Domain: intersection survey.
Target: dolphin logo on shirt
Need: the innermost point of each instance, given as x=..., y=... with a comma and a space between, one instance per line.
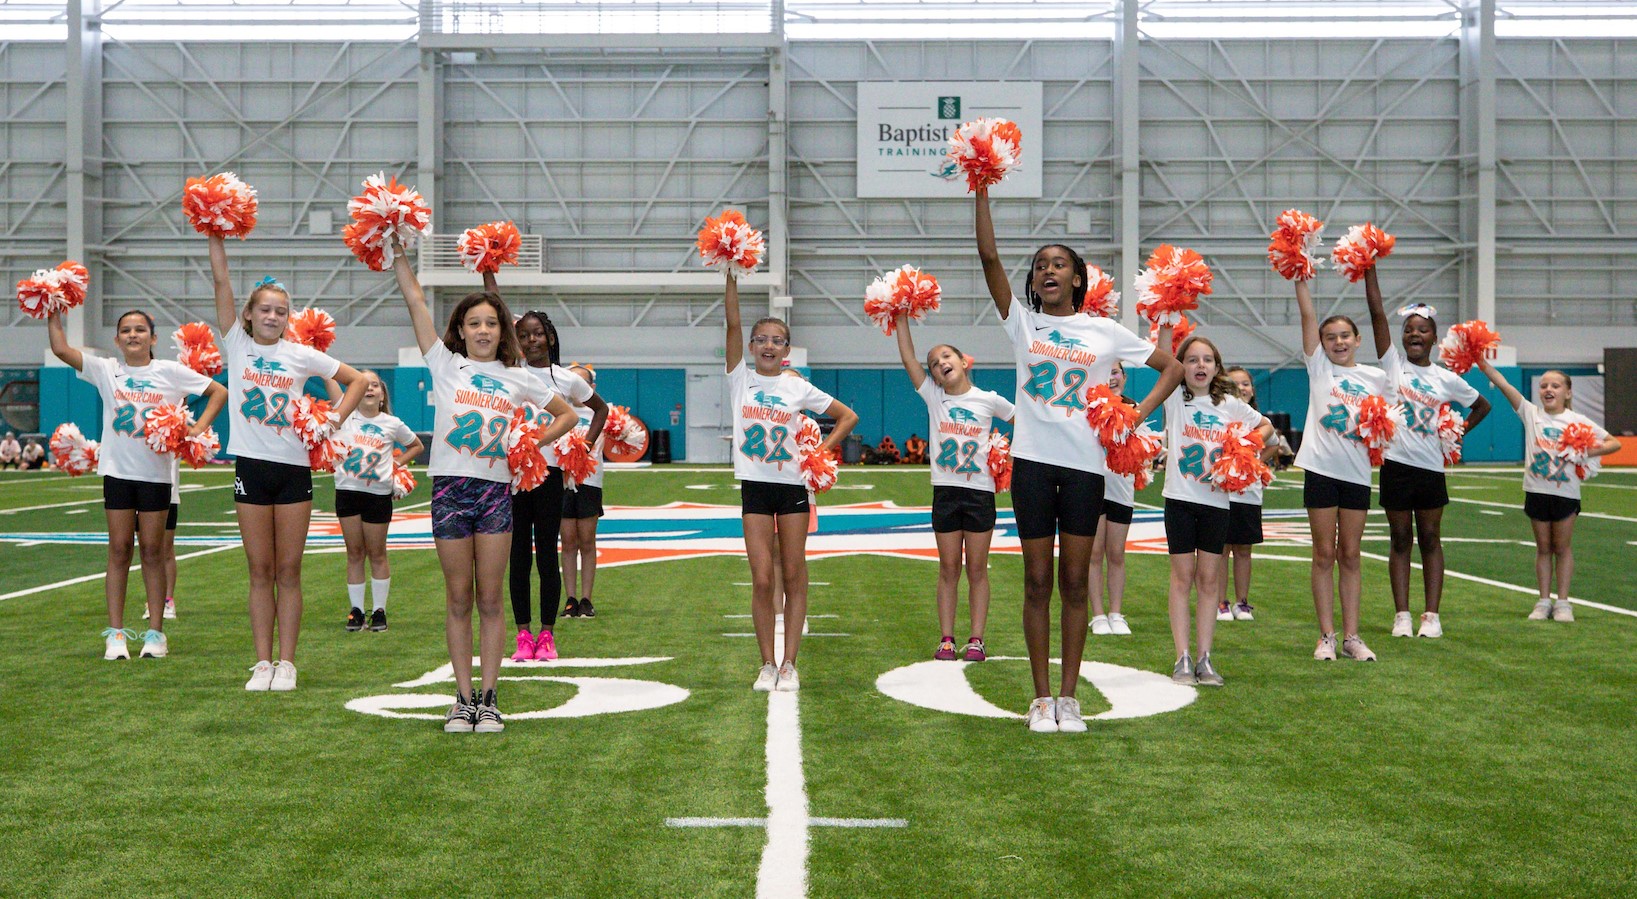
x=134, y=384
x=367, y=428
x=1351, y=389
x=768, y=399
x=1420, y=385
x=486, y=384
x=959, y=413
x=1068, y=342
x=261, y=364
x=1206, y=421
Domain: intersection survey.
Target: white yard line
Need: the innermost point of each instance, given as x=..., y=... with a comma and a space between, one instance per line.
x=99, y=575
x=86, y=502
x=1519, y=507
x=783, y=871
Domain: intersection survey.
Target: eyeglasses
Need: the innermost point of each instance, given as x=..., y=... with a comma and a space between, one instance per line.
x=769, y=340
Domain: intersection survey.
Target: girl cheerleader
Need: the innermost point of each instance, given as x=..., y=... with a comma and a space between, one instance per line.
x=272, y=476
x=774, y=502
x=1551, y=480
x=963, y=489
x=1058, y=463
x=1413, y=490
x=1197, y=416
x=537, y=514
x=370, y=442
x=1119, y=503
x=1244, y=520
x=1336, y=469
x=136, y=481
x=582, y=507
x=478, y=380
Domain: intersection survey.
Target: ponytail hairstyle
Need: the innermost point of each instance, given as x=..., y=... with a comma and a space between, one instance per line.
x=145, y=317
x=268, y=283
x=1079, y=272
x=1229, y=372
x=509, y=353
x=1568, y=401
x=967, y=360
x=554, y=348
x=1221, y=385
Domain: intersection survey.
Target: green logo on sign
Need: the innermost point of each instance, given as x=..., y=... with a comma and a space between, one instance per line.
x=949, y=107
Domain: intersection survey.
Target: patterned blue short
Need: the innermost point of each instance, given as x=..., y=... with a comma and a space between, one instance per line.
x=462, y=507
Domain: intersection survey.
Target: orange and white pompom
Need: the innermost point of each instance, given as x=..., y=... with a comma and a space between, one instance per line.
x=1359, y=251
x=200, y=449
x=51, y=290
x=523, y=454
x=575, y=458
x=71, y=453
x=386, y=209
x=1239, y=466
x=1102, y=300
x=1000, y=461
x=1180, y=332
x=196, y=348
x=311, y=327
x=808, y=435
x=165, y=426
x=220, y=205
x=1576, y=445
x=818, y=465
x=623, y=432
x=729, y=243
x=1466, y=345
x=403, y=481
x=311, y=420
x=1295, y=244
x=1135, y=455
x=905, y=290
x=1171, y=284
x=987, y=150
x=1110, y=417
x=1377, y=423
x=1451, y=429
x=487, y=247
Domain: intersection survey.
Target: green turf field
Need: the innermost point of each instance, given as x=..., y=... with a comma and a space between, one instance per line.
x=1500, y=760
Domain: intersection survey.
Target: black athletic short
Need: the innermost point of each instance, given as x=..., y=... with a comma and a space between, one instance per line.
x=1194, y=526
x=1244, y=524
x=1406, y=488
x=1117, y=513
x=374, y=508
x=1324, y=492
x=143, y=496
x=584, y=501
x=1048, y=500
x=258, y=482
x=170, y=519
x=1546, y=507
x=962, y=509
x=763, y=498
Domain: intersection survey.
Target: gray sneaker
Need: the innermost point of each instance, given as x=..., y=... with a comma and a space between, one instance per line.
x=1069, y=720
x=1541, y=611
x=1183, y=672
x=1562, y=611
x=1204, y=673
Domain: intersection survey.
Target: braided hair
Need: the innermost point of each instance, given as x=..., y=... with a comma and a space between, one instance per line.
x=1079, y=272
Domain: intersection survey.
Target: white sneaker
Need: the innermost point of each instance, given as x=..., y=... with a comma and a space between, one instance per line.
x=1223, y=612
x=261, y=676
x=1042, y=717
x=1430, y=626
x=1244, y=612
x=1403, y=625
x=284, y=677
x=1100, y=626
x=1541, y=611
x=788, y=682
x=113, y=643
x=765, y=679
x=170, y=609
x=1068, y=716
x=154, y=645
x=1117, y=625
x=1562, y=611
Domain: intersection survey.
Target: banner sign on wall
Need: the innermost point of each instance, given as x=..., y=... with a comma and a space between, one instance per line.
x=904, y=129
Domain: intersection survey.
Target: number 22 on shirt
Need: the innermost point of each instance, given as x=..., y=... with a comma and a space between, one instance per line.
x=766, y=444
x=485, y=439
x=1043, y=386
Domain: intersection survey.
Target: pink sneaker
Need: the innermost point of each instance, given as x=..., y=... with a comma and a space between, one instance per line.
x=545, y=647
x=525, y=646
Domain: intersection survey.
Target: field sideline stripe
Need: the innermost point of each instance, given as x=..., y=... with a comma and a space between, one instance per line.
x=91, y=577
x=1519, y=507
x=86, y=502
x=783, y=871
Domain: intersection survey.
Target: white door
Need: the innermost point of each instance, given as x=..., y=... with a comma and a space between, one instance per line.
x=708, y=418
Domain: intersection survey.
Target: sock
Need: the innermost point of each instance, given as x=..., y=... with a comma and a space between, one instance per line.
x=355, y=592
x=378, y=587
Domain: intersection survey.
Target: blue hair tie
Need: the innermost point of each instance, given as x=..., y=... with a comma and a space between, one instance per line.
x=270, y=281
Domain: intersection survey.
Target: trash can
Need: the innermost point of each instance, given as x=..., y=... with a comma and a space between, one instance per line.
x=661, y=450
x=852, y=449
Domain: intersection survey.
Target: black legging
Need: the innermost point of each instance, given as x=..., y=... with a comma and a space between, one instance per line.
x=537, y=516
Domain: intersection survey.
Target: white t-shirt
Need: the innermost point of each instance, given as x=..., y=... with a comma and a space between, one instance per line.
x=1120, y=488
x=176, y=481
x=1423, y=390
x=128, y=392
x=766, y=418
x=570, y=386
x=366, y=459
x=1546, y=469
x=1330, y=445
x=472, y=413
x=959, y=427
x=1058, y=359
x=1193, y=440
x=261, y=383
x=584, y=428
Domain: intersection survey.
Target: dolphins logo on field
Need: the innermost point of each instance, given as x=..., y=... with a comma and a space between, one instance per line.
x=961, y=414
x=267, y=365
x=1067, y=342
x=486, y=384
x=767, y=399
